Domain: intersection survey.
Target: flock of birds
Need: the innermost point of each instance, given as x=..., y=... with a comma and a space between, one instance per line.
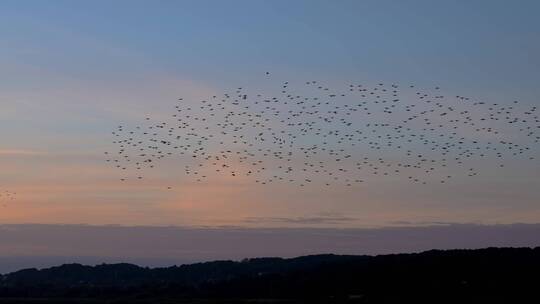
x=309, y=133
x=7, y=197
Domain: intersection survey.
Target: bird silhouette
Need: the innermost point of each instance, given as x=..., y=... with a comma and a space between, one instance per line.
x=7, y=197
x=310, y=133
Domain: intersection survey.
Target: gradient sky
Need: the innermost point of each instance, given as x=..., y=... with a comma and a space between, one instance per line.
x=24, y=246
x=71, y=71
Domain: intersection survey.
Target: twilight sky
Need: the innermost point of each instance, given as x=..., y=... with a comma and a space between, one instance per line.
x=71, y=71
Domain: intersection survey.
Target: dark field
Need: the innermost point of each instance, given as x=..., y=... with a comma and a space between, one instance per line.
x=174, y=301
x=164, y=301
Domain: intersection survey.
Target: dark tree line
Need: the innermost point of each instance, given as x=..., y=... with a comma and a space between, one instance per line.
x=493, y=275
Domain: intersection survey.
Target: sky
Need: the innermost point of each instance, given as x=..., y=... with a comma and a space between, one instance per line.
x=40, y=246
x=71, y=71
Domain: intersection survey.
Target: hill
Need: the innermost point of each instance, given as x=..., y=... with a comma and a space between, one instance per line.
x=494, y=275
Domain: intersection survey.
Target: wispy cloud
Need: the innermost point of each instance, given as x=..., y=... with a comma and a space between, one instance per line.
x=17, y=152
x=302, y=220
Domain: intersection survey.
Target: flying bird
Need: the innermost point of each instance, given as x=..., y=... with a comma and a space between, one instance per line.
x=309, y=133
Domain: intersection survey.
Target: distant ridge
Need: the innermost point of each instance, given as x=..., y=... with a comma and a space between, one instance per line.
x=493, y=274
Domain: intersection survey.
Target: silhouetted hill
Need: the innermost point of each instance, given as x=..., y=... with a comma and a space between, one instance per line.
x=495, y=275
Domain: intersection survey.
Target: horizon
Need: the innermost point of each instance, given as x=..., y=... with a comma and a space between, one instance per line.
x=156, y=267
x=40, y=246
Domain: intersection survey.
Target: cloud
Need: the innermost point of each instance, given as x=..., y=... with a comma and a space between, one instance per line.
x=19, y=152
x=305, y=220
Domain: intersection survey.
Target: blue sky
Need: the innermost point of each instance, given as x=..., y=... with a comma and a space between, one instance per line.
x=71, y=70
x=488, y=43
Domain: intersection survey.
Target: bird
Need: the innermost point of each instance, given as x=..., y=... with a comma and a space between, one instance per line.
x=308, y=133
x=7, y=196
